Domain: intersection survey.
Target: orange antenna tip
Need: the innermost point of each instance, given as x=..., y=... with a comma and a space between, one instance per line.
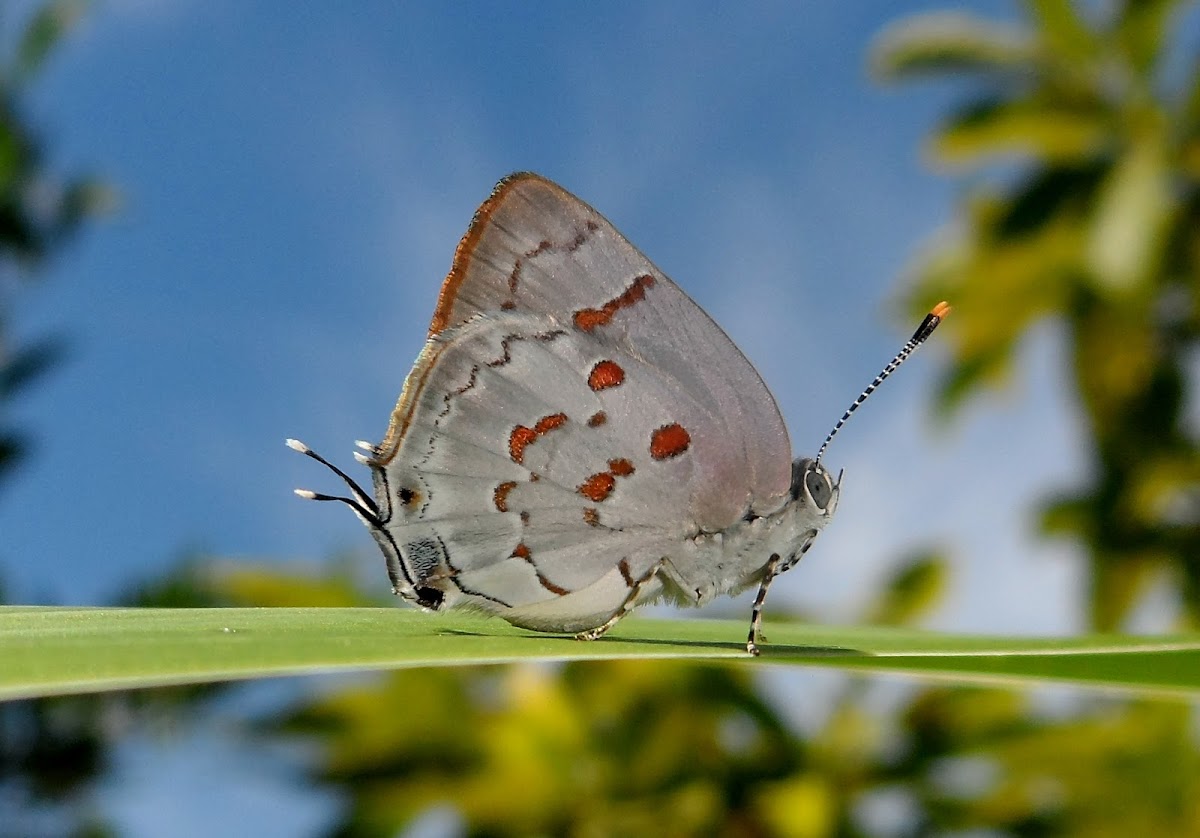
x=941, y=309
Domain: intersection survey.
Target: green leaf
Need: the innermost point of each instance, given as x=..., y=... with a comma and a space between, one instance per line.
x=1049, y=194
x=1141, y=28
x=12, y=448
x=1130, y=218
x=992, y=127
x=913, y=589
x=26, y=364
x=46, y=29
x=944, y=43
x=48, y=651
x=1066, y=35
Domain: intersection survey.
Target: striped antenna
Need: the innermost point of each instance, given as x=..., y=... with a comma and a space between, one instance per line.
x=923, y=331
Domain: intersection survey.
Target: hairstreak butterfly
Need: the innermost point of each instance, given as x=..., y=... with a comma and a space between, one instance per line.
x=578, y=437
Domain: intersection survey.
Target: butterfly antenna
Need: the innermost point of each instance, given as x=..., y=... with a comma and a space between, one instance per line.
x=360, y=503
x=923, y=331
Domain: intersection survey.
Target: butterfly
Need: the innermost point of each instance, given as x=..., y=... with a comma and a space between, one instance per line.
x=578, y=437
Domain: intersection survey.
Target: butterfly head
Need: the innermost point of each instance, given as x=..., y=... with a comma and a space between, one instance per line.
x=791, y=531
x=813, y=487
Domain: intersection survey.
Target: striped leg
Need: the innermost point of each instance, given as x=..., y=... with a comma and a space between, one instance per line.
x=756, y=612
x=628, y=605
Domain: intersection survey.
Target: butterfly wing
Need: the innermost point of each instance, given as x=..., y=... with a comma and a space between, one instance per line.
x=534, y=247
x=573, y=419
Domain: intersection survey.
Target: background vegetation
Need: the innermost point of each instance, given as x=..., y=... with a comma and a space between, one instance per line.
x=1080, y=143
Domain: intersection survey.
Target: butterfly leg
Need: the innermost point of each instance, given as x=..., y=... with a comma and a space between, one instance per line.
x=628, y=605
x=756, y=611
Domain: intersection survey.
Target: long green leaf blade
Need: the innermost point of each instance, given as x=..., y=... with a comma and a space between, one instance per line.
x=47, y=651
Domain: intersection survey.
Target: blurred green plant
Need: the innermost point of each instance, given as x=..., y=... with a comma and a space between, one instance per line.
x=645, y=746
x=51, y=751
x=1082, y=132
x=38, y=209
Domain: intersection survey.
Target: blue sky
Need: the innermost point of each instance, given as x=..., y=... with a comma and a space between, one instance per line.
x=295, y=177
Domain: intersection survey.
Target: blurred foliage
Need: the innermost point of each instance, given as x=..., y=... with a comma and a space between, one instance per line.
x=979, y=760
x=38, y=209
x=51, y=752
x=664, y=747
x=55, y=752
x=1082, y=130
x=916, y=586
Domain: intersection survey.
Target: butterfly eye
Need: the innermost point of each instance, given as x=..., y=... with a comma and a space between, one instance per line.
x=816, y=481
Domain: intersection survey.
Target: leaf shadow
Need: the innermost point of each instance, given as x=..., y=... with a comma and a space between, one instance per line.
x=769, y=650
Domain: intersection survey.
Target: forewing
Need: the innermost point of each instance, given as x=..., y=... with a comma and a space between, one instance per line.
x=535, y=249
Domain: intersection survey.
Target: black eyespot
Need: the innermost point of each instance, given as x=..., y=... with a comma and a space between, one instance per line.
x=430, y=598
x=406, y=495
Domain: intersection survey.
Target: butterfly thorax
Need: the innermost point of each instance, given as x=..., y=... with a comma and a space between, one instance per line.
x=734, y=558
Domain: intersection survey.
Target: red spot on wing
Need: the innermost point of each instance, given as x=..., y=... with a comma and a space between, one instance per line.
x=518, y=438
x=597, y=419
x=669, y=441
x=601, y=484
x=522, y=552
x=514, y=279
x=591, y=516
x=521, y=437
x=557, y=590
x=620, y=467
x=623, y=566
x=500, y=495
x=588, y=319
x=549, y=423
x=598, y=487
x=605, y=374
